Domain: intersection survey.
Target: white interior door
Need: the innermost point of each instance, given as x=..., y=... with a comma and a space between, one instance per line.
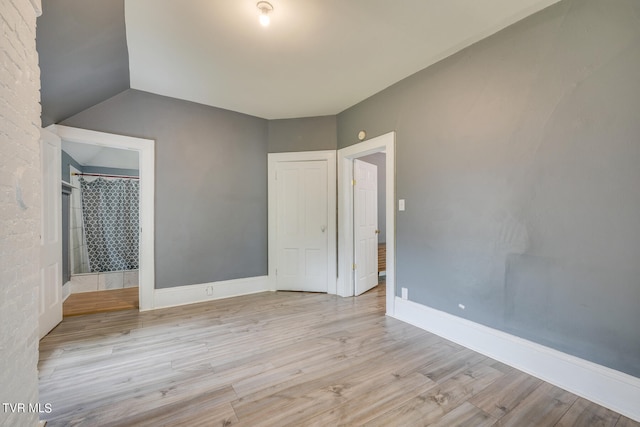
x=302, y=257
x=365, y=224
x=50, y=307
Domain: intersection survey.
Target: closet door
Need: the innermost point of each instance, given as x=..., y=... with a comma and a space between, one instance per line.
x=302, y=235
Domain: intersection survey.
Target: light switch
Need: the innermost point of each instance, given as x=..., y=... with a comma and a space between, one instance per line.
x=401, y=205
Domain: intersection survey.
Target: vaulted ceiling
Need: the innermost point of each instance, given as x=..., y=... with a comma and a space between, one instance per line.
x=316, y=58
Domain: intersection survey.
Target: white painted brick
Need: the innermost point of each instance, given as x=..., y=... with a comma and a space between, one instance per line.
x=19, y=227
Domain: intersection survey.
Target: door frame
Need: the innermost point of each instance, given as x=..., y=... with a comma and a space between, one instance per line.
x=346, y=283
x=146, y=163
x=272, y=160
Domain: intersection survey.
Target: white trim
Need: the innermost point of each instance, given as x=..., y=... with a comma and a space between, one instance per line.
x=146, y=152
x=273, y=159
x=190, y=294
x=386, y=143
x=612, y=389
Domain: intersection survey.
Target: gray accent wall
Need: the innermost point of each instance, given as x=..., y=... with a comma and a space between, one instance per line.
x=303, y=134
x=380, y=160
x=111, y=171
x=66, y=217
x=67, y=161
x=83, y=55
x=519, y=159
x=210, y=184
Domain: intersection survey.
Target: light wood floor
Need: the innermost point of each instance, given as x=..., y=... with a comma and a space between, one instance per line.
x=100, y=302
x=286, y=358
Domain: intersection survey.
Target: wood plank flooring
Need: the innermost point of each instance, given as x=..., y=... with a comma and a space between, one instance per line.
x=100, y=302
x=286, y=359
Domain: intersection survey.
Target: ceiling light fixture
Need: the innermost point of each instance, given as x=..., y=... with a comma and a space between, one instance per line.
x=265, y=8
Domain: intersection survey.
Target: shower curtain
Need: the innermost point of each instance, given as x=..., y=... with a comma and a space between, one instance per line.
x=110, y=211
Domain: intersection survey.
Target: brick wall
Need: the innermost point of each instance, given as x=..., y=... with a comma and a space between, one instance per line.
x=19, y=208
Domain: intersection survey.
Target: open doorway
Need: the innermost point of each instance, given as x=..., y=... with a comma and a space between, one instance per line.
x=104, y=165
x=369, y=221
x=346, y=231
x=100, y=231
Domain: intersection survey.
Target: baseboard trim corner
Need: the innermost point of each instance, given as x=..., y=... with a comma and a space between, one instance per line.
x=191, y=294
x=607, y=387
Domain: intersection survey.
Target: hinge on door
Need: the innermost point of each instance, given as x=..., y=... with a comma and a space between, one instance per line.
x=354, y=266
x=353, y=182
x=276, y=271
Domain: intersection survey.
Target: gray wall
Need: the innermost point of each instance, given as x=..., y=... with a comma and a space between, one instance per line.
x=67, y=161
x=211, y=190
x=66, y=218
x=519, y=162
x=83, y=55
x=110, y=171
x=380, y=160
x=303, y=134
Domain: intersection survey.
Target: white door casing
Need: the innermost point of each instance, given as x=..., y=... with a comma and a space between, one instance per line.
x=345, y=285
x=365, y=225
x=146, y=158
x=302, y=221
x=50, y=289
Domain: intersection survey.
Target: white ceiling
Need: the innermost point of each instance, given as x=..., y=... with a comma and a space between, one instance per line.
x=106, y=157
x=316, y=58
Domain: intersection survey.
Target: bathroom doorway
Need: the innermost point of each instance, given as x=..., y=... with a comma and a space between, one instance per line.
x=103, y=224
x=108, y=230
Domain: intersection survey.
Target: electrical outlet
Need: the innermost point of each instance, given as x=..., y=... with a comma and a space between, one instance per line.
x=405, y=293
x=401, y=205
x=209, y=290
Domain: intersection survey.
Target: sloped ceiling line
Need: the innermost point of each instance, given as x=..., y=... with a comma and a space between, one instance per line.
x=315, y=59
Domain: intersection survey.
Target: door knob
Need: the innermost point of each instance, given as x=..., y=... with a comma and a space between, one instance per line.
x=377, y=231
x=322, y=228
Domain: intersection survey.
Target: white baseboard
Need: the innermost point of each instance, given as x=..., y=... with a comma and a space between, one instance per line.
x=612, y=389
x=190, y=294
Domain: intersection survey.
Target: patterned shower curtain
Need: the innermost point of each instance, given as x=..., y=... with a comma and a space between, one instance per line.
x=110, y=211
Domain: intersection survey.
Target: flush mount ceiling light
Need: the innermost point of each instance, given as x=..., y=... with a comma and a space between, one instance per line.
x=265, y=8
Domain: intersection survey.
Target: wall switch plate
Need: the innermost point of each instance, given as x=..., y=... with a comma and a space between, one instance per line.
x=405, y=293
x=401, y=205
